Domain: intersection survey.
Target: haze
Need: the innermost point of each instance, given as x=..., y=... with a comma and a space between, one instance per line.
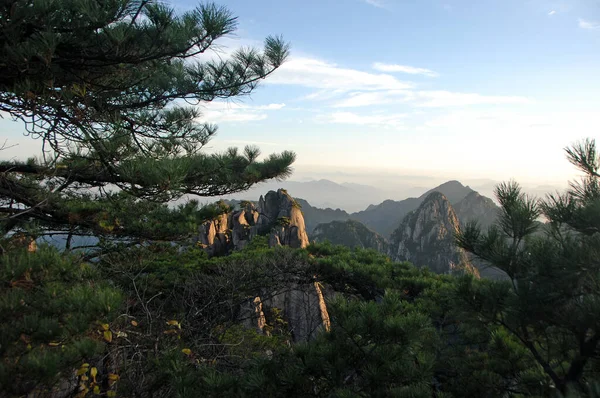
x=403, y=95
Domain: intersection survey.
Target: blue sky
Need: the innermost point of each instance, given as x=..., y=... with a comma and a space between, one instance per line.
x=460, y=89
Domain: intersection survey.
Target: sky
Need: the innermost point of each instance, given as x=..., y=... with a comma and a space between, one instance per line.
x=455, y=89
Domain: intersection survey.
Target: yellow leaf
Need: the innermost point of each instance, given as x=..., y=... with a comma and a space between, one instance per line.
x=111, y=393
x=134, y=323
x=113, y=377
x=93, y=373
x=108, y=336
x=174, y=323
x=105, y=326
x=81, y=371
x=96, y=390
x=170, y=331
x=53, y=344
x=187, y=351
x=121, y=334
x=84, y=378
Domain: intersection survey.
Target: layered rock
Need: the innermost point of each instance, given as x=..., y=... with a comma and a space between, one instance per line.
x=426, y=236
x=350, y=234
x=277, y=215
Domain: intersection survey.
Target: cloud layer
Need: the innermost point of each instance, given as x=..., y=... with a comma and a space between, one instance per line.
x=228, y=111
x=590, y=25
x=404, y=69
x=353, y=88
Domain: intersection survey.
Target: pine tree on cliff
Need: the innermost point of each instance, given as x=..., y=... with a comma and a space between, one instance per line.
x=552, y=302
x=111, y=91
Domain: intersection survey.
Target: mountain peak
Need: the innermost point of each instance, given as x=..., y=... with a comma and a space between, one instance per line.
x=477, y=207
x=453, y=190
x=426, y=236
x=435, y=196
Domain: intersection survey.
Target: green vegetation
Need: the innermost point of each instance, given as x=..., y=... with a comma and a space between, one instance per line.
x=150, y=315
x=111, y=88
x=351, y=234
x=553, y=301
x=174, y=319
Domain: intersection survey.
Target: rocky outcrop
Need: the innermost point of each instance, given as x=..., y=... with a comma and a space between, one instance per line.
x=475, y=207
x=426, y=236
x=350, y=234
x=302, y=306
x=280, y=213
x=277, y=215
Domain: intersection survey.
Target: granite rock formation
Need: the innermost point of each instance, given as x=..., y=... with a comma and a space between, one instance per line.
x=277, y=215
x=385, y=217
x=475, y=207
x=426, y=236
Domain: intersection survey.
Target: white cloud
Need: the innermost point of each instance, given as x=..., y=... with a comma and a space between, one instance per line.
x=322, y=95
x=314, y=73
x=231, y=116
x=271, y=107
x=349, y=88
x=375, y=3
x=394, y=120
x=428, y=99
x=358, y=99
x=231, y=105
x=552, y=12
x=228, y=111
x=436, y=99
x=591, y=25
x=404, y=69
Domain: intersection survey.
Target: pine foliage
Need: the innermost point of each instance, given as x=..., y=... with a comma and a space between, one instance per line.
x=113, y=90
x=552, y=301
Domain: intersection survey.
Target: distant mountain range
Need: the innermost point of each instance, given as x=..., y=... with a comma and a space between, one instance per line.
x=323, y=193
x=385, y=217
x=351, y=234
x=357, y=197
x=423, y=228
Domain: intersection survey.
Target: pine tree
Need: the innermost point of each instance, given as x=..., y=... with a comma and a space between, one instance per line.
x=111, y=89
x=551, y=304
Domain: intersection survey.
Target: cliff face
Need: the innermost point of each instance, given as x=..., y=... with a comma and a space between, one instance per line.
x=426, y=236
x=302, y=305
x=276, y=215
x=282, y=214
x=475, y=207
x=350, y=234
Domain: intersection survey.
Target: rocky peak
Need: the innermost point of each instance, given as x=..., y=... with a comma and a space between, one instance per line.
x=426, y=236
x=453, y=190
x=280, y=212
x=477, y=207
x=276, y=215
